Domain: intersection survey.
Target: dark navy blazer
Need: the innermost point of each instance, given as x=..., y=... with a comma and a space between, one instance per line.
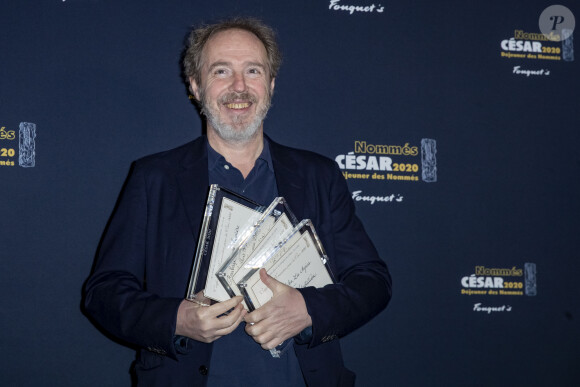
x=144, y=262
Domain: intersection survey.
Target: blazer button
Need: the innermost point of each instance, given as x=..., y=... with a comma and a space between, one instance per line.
x=203, y=370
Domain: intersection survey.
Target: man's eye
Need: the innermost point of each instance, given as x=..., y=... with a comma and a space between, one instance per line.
x=220, y=72
x=254, y=71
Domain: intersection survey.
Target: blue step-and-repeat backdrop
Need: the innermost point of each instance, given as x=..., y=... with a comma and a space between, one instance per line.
x=455, y=123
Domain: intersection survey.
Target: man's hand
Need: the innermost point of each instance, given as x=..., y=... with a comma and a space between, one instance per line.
x=282, y=317
x=207, y=323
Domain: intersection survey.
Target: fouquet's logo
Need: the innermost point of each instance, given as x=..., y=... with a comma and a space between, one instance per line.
x=518, y=70
x=479, y=307
x=358, y=196
x=335, y=5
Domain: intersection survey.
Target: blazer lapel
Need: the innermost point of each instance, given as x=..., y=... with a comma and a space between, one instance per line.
x=289, y=179
x=193, y=182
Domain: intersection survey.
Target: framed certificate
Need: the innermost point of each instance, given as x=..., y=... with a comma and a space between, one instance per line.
x=226, y=215
x=297, y=261
x=273, y=226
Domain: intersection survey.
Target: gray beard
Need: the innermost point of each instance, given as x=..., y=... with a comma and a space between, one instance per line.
x=234, y=133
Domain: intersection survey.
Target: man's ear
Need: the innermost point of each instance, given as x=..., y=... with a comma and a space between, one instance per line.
x=194, y=88
x=272, y=84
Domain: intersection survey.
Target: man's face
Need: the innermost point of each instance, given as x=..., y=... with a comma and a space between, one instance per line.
x=235, y=88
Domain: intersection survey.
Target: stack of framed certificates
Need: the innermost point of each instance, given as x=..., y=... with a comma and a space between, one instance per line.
x=238, y=237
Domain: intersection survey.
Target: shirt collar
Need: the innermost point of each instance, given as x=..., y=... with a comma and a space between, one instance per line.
x=214, y=159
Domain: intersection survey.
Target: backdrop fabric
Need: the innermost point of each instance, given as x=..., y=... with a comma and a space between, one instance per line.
x=455, y=124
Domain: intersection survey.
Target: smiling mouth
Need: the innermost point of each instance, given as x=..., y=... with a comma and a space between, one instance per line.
x=237, y=106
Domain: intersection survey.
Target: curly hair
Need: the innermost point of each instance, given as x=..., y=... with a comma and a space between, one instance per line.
x=192, y=58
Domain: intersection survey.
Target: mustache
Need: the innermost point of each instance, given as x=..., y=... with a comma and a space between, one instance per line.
x=235, y=96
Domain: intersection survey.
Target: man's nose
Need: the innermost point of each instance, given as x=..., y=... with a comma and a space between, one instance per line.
x=238, y=83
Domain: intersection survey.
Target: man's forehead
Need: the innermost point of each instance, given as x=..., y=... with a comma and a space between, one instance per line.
x=233, y=40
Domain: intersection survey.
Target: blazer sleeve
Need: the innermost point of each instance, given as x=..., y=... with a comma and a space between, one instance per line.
x=115, y=293
x=363, y=286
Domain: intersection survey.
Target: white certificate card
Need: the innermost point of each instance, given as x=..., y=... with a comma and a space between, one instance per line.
x=299, y=262
x=233, y=218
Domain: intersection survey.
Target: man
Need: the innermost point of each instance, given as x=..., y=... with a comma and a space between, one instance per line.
x=136, y=290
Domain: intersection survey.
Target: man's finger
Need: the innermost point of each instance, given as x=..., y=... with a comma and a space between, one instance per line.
x=201, y=298
x=213, y=325
x=222, y=307
x=234, y=325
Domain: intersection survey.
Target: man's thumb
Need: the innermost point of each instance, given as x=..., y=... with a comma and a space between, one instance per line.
x=270, y=282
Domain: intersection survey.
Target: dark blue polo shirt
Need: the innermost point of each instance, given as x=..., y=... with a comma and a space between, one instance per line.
x=237, y=360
